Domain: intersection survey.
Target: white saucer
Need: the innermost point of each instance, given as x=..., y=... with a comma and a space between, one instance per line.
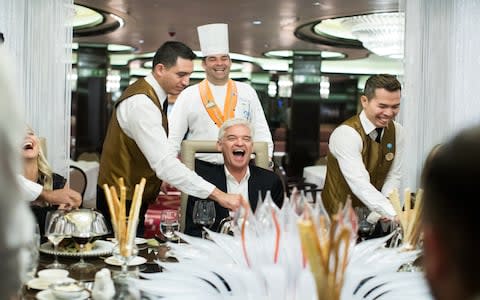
x=42, y=284
x=137, y=260
x=47, y=295
x=138, y=241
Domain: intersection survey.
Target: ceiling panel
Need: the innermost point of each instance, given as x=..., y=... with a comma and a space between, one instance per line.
x=149, y=23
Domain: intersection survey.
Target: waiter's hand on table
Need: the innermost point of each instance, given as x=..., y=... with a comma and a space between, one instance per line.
x=230, y=201
x=66, y=197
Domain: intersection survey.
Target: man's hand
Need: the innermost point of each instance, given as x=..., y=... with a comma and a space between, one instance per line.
x=230, y=201
x=66, y=197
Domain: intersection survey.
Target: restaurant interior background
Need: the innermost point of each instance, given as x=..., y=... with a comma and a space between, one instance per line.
x=307, y=72
x=308, y=61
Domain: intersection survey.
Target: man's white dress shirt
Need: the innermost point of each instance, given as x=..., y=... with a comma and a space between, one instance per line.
x=235, y=187
x=141, y=120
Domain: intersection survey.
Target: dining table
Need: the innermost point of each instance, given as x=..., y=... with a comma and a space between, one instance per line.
x=315, y=174
x=151, y=250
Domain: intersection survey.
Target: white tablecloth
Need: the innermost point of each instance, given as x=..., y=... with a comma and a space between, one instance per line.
x=315, y=174
x=91, y=170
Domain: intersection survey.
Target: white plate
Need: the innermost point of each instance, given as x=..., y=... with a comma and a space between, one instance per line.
x=42, y=284
x=99, y=248
x=137, y=260
x=138, y=241
x=47, y=295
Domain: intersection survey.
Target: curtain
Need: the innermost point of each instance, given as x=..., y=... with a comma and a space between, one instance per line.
x=38, y=35
x=440, y=79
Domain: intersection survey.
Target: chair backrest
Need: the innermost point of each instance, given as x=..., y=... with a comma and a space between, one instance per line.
x=78, y=180
x=89, y=156
x=187, y=154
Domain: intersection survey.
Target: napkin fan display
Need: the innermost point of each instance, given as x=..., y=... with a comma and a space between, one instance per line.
x=292, y=253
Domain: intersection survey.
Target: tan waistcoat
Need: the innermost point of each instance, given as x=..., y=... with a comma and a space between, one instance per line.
x=376, y=159
x=121, y=156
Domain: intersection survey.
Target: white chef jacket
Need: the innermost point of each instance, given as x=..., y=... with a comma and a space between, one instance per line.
x=141, y=120
x=346, y=146
x=190, y=117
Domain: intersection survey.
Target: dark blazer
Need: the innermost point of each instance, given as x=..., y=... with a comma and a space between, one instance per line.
x=260, y=180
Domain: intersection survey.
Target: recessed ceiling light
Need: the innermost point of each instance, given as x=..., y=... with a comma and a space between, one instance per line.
x=256, y=22
x=141, y=41
x=86, y=17
x=119, y=48
x=119, y=20
x=290, y=54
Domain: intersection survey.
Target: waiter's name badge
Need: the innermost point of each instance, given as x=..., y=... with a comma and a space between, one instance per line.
x=389, y=156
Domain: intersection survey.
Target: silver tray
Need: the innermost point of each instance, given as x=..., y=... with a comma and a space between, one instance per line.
x=99, y=248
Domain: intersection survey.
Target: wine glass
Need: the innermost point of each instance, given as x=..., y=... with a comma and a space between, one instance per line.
x=32, y=261
x=204, y=214
x=57, y=227
x=87, y=225
x=125, y=251
x=365, y=228
x=169, y=224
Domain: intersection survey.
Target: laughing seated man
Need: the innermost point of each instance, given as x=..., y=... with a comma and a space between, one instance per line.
x=237, y=175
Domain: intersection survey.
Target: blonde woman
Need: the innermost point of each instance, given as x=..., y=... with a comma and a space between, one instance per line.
x=37, y=169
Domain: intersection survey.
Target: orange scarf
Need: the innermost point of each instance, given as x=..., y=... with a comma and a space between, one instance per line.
x=211, y=106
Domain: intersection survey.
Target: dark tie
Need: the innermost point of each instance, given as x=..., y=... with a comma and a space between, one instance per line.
x=379, y=134
x=165, y=105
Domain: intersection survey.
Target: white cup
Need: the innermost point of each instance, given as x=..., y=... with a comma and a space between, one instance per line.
x=52, y=275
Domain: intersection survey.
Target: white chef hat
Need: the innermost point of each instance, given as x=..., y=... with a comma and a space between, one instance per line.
x=213, y=39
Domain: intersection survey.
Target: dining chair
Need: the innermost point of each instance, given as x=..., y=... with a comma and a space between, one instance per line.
x=78, y=180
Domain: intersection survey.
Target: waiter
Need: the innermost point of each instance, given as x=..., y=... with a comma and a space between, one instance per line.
x=136, y=142
x=366, y=152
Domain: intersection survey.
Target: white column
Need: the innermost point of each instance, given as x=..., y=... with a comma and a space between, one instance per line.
x=441, y=85
x=38, y=35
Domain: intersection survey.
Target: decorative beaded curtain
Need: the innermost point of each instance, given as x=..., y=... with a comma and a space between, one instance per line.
x=38, y=34
x=441, y=76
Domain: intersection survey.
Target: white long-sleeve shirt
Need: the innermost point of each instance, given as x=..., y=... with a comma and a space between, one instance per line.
x=190, y=117
x=141, y=120
x=31, y=190
x=346, y=146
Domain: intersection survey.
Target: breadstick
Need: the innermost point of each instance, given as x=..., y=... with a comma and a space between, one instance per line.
x=395, y=200
x=111, y=206
x=135, y=210
x=310, y=245
x=116, y=202
x=122, y=228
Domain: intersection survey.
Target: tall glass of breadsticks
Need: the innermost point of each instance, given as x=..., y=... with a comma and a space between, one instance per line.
x=124, y=225
x=409, y=216
x=327, y=246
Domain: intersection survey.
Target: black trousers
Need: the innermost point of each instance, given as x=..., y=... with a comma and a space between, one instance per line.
x=102, y=207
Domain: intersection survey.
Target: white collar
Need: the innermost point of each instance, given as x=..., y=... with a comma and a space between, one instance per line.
x=368, y=126
x=230, y=176
x=161, y=94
